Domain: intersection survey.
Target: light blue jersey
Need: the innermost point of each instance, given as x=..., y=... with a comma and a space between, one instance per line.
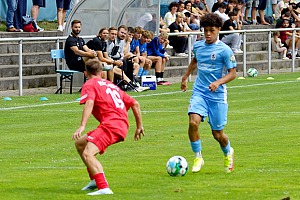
x=213, y=61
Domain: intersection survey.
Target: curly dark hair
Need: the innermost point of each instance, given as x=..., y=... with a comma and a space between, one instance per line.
x=173, y=4
x=212, y=20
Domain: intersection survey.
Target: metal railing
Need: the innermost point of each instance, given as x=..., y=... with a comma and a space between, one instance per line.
x=244, y=36
x=58, y=40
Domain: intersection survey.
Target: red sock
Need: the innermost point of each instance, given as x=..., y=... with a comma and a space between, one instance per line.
x=100, y=181
x=90, y=174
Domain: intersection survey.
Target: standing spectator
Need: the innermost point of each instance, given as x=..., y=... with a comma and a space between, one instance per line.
x=35, y=9
x=216, y=66
x=232, y=39
x=157, y=54
x=72, y=5
x=76, y=49
x=170, y=16
x=15, y=10
x=254, y=5
x=62, y=7
x=109, y=105
x=261, y=10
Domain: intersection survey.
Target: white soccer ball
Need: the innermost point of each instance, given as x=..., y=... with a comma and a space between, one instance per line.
x=252, y=72
x=177, y=166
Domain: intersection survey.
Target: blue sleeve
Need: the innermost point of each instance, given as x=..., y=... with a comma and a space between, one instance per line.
x=154, y=48
x=229, y=58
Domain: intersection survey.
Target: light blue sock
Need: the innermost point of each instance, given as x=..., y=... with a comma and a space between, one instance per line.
x=145, y=72
x=140, y=72
x=226, y=149
x=196, y=146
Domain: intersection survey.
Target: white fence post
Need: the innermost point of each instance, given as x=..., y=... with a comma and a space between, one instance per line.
x=20, y=68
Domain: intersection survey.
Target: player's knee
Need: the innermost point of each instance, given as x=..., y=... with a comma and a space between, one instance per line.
x=193, y=124
x=217, y=135
x=86, y=155
x=79, y=145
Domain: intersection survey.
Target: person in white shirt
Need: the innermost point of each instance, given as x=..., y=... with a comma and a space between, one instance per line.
x=170, y=16
x=279, y=7
x=221, y=12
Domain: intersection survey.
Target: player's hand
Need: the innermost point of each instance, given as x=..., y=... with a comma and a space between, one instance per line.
x=213, y=87
x=139, y=132
x=183, y=85
x=78, y=133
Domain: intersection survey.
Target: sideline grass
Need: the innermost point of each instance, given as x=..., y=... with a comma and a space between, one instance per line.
x=39, y=161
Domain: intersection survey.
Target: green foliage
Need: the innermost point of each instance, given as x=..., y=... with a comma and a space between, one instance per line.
x=47, y=25
x=39, y=161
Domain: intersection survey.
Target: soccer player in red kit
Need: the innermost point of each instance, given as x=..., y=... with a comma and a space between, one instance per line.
x=109, y=105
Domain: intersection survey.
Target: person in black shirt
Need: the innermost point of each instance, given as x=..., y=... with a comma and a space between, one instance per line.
x=99, y=44
x=232, y=39
x=178, y=42
x=75, y=49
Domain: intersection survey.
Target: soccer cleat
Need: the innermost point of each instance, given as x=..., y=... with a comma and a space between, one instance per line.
x=164, y=83
x=228, y=161
x=90, y=186
x=101, y=192
x=198, y=163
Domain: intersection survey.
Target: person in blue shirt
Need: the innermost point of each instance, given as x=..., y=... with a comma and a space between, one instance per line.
x=141, y=52
x=216, y=66
x=157, y=54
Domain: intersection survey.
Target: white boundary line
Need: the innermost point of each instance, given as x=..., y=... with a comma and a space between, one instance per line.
x=146, y=95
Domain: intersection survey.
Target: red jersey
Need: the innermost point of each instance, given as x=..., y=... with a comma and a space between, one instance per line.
x=283, y=36
x=110, y=103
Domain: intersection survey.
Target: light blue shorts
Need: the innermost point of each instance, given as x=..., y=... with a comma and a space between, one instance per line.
x=215, y=111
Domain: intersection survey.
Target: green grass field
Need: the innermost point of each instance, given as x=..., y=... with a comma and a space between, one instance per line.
x=38, y=159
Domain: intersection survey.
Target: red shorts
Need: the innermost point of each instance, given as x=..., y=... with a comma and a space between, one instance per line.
x=104, y=136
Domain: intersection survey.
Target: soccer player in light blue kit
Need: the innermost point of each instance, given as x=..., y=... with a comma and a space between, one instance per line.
x=216, y=66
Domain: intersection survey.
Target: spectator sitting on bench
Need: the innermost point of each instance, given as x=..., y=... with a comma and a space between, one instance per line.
x=157, y=54
x=141, y=52
x=99, y=45
x=114, y=53
x=76, y=49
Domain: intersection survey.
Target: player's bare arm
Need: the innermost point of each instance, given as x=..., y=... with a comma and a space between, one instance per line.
x=139, y=132
x=192, y=66
x=225, y=79
x=82, y=53
x=87, y=111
